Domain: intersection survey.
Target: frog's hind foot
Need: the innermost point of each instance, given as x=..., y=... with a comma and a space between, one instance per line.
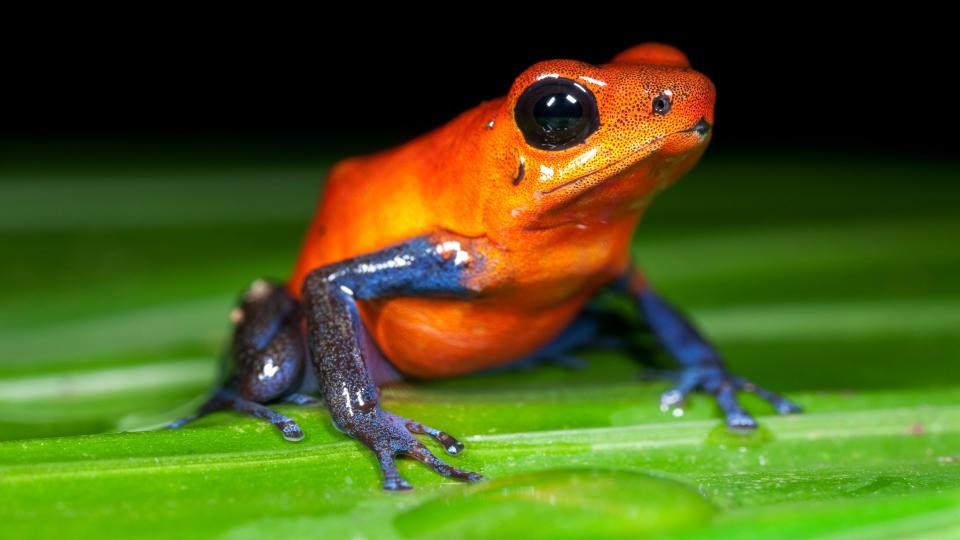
x=228, y=400
x=724, y=386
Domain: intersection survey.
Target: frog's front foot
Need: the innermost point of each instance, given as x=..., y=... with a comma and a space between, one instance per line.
x=389, y=435
x=724, y=386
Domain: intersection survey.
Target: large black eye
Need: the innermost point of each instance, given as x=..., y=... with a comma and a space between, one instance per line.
x=662, y=104
x=554, y=114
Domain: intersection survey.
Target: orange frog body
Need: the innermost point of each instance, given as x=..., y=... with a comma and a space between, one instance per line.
x=558, y=218
x=478, y=245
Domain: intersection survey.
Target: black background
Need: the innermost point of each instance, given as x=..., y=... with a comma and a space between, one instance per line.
x=787, y=80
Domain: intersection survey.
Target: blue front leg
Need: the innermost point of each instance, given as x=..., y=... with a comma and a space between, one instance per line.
x=341, y=347
x=702, y=367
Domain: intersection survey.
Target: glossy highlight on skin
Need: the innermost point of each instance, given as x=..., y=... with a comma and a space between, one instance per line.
x=561, y=230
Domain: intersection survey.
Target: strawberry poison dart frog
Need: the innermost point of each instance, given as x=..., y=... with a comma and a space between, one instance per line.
x=478, y=245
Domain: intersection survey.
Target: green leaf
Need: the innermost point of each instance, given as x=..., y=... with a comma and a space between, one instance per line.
x=816, y=278
x=593, y=502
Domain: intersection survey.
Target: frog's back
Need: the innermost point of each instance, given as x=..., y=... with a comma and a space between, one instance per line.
x=375, y=201
x=366, y=204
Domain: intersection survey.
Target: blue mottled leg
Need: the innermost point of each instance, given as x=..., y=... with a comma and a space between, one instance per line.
x=267, y=359
x=702, y=367
x=594, y=328
x=582, y=332
x=228, y=400
x=341, y=348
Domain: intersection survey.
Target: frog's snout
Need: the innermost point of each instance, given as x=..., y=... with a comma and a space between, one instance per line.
x=702, y=127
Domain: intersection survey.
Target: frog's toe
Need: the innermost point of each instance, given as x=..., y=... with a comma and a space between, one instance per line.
x=228, y=399
x=396, y=483
x=724, y=387
x=393, y=435
x=392, y=481
x=450, y=444
x=741, y=420
x=411, y=447
x=420, y=453
x=726, y=396
x=291, y=431
x=673, y=400
x=780, y=403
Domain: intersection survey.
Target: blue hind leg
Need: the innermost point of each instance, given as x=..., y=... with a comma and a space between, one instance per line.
x=596, y=327
x=702, y=368
x=268, y=360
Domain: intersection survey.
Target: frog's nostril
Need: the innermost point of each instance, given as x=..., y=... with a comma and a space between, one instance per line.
x=702, y=127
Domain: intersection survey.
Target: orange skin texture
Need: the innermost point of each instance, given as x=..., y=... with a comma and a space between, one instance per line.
x=547, y=244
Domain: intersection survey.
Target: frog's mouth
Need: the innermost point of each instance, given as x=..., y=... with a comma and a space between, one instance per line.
x=701, y=128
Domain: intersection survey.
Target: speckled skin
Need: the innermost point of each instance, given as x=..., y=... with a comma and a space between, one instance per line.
x=468, y=249
x=342, y=348
x=267, y=359
x=268, y=349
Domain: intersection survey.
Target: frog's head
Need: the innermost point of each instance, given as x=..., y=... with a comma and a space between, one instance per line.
x=591, y=142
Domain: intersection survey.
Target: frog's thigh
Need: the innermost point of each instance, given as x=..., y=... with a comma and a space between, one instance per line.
x=267, y=359
x=268, y=351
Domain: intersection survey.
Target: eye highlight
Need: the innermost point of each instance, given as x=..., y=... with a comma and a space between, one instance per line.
x=662, y=104
x=555, y=114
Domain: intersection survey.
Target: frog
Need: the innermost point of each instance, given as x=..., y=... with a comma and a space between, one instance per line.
x=479, y=245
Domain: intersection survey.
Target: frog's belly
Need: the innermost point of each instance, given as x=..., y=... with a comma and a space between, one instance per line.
x=426, y=337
